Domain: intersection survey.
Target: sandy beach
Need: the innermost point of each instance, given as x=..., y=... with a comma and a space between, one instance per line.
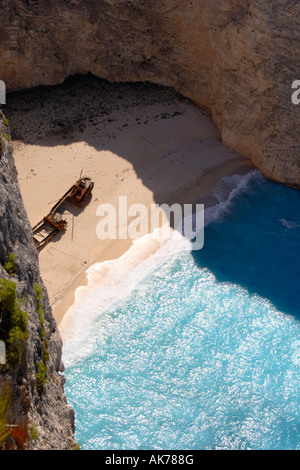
x=136, y=140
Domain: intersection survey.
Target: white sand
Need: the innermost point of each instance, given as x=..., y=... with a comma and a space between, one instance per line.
x=176, y=157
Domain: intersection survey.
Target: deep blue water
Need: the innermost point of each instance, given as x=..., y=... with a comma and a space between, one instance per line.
x=201, y=354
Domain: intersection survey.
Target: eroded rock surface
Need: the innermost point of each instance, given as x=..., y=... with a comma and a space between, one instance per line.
x=39, y=416
x=237, y=57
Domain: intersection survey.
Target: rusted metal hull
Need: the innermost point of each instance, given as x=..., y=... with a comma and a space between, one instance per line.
x=80, y=191
x=45, y=230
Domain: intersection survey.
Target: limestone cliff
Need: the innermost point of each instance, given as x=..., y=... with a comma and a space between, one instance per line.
x=237, y=57
x=39, y=417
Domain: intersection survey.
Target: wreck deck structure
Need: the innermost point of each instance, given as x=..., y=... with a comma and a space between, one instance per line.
x=53, y=223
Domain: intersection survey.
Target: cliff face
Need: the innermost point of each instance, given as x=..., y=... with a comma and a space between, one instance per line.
x=39, y=417
x=237, y=57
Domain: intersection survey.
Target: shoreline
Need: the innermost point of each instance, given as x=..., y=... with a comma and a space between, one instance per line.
x=151, y=145
x=82, y=286
x=105, y=275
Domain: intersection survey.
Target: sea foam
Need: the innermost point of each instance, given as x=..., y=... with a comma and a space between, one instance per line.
x=111, y=281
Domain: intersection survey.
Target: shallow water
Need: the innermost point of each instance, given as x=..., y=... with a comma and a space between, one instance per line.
x=200, y=353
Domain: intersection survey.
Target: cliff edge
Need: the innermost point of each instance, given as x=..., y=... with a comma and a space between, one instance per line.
x=34, y=413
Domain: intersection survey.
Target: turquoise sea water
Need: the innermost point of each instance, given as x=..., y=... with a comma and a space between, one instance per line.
x=201, y=353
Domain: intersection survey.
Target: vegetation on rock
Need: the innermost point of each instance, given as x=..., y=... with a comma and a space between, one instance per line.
x=13, y=322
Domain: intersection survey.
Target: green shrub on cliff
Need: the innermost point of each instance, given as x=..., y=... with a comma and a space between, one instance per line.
x=13, y=322
x=41, y=375
x=10, y=266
